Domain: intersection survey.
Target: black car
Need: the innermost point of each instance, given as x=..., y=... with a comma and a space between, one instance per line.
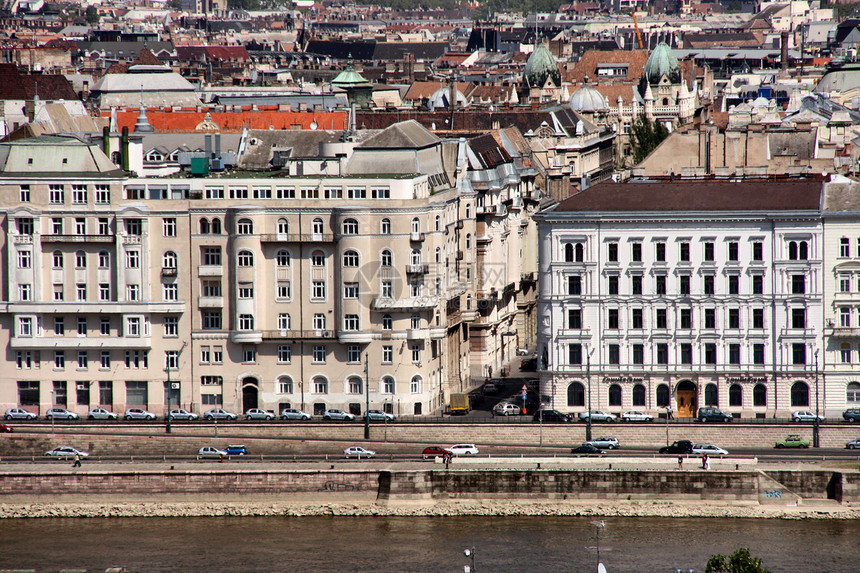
x=851, y=414
x=551, y=416
x=586, y=449
x=679, y=447
x=711, y=414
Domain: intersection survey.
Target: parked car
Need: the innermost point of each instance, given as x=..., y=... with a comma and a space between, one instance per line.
x=678, y=447
x=19, y=414
x=209, y=451
x=709, y=449
x=60, y=414
x=636, y=416
x=792, y=441
x=219, y=414
x=180, y=414
x=294, y=414
x=434, y=451
x=236, y=450
x=805, y=416
x=139, y=414
x=852, y=445
x=358, y=452
x=529, y=364
x=258, y=414
x=101, y=414
x=333, y=414
x=507, y=409
x=551, y=416
x=65, y=452
x=597, y=416
x=851, y=414
x=587, y=448
x=605, y=443
x=463, y=450
x=711, y=414
x=4, y=429
x=379, y=416
x=491, y=388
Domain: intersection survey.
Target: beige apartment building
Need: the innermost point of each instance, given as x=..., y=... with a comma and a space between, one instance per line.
x=253, y=289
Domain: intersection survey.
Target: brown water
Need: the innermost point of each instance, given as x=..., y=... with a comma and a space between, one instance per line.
x=508, y=544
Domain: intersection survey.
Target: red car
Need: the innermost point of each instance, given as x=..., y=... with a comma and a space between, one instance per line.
x=4, y=429
x=434, y=451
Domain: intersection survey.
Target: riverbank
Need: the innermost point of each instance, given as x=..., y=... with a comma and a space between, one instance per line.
x=814, y=509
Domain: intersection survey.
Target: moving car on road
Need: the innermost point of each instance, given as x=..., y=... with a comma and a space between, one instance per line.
x=434, y=452
x=101, y=414
x=792, y=441
x=258, y=414
x=597, y=416
x=334, y=414
x=236, y=450
x=19, y=414
x=551, y=416
x=853, y=444
x=678, y=447
x=851, y=414
x=219, y=414
x=587, y=448
x=180, y=414
x=65, y=452
x=294, y=414
x=711, y=414
x=636, y=416
x=4, y=429
x=139, y=414
x=60, y=414
x=379, y=416
x=463, y=450
x=709, y=449
x=211, y=451
x=805, y=416
x=358, y=452
x=605, y=442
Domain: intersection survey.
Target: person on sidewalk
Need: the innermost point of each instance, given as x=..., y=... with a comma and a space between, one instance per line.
x=706, y=462
x=680, y=462
x=77, y=463
x=669, y=415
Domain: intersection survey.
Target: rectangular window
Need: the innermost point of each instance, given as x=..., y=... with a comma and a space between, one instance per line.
x=211, y=256
x=708, y=287
x=638, y=354
x=734, y=318
x=104, y=326
x=79, y=194
x=56, y=194
x=82, y=326
x=81, y=291
x=574, y=354
x=83, y=360
x=684, y=285
x=844, y=247
x=710, y=353
x=25, y=259
x=59, y=326
x=660, y=284
x=57, y=226
x=613, y=284
x=249, y=355
x=733, y=251
x=614, y=355
x=132, y=259
x=845, y=354
x=205, y=355
x=710, y=318
x=25, y=194
x=104, y=360
x=660, y=252
x=350, y=290
x=574, y=318
x=284, y=291
x=798, y=284
x=612, y=318
x=246, y=291
x=758, y=251
x=636, y=284
x=168, y=226
x=246, y=322
x=686, y=318
x=353, y=354
x=686, y=353
x=171, y=291
x=636, y=318
x=661, y=318
x=25, y=292
x=350, y=322
x=734, y=284
x=24, y=225
x=319, y=354
x=662, y=353
x=416, y=353
x=132, y=292
x=285, y=354
x=171, y=326
x=217, y=355
x=318, y=290
x=574, y=285
x=211, y=320
x=844, y=317
x=758, y=284
x=612, y=252
x=387, y=354
x=104, y=227
x=798, y=353
x=758, y=353
x=102, y=194
x=758, y=318
x=285, y=192
x=104, y=292
x=59, y=359
x=25, y=359
x=798, y=318
x=636, y=252
x=684, y=252
x=844, y=283
x=708, y=251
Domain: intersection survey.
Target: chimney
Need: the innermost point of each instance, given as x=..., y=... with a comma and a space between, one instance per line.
x=106, y=140
x=217, y=145
x=208, y=146
x=783, y=53
x=125, y=158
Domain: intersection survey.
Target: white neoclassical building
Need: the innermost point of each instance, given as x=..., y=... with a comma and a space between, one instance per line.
x=689, y=293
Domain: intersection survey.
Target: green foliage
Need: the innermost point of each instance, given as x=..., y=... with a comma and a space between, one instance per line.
x=842, y=11
x=249, y=5
x=738, y=562
x=175, y=5
x=645, y=136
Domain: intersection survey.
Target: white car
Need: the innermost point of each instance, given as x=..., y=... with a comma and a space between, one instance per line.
x=294, y=414
x=605, y=443
x=60, y=414
x=636, y=416
x=209, y=451
x=358, y=452
x=507, y=409
x=333, y=414
x=19, y=414
x=709, y=449
x=463, y=450
x=65, y=452
x=597, y=416
x=219, y=414
x=379, y=416
x=180, y=414
x=804, y=416
x=258, y=414
x=101, y=414
x=139, y=414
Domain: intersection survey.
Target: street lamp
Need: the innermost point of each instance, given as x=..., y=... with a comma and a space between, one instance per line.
x=588, y=378
x=168, y=366
x=366, y=395
x=816, y=438
x=470, y=552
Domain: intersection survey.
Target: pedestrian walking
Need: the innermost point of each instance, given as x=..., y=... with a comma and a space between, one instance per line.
x=680, y=462
x=669, y=415
x=77, y=463
x=706, y=462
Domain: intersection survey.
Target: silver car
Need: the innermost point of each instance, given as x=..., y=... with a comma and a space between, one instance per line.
x=180, y=414
x=605, y=443
x=358, y=451
x=65, y=452
x=60, y=414
x=334, y=414
x=219, y=414
x=258, y=414
x=208, y=451
x=379, y=416
x=101, y=414
x=709, y=449
x=19, y=414
x=294, y=414
x=636, y=416
x=139, y=414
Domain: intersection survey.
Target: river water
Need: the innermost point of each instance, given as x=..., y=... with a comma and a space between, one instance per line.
x=502, y=544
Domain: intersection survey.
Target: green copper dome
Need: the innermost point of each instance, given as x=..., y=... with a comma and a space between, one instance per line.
x=540, y=66
x=349, y=78
x=662, y=62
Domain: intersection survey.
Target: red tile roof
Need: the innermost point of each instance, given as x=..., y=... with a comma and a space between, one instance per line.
x=266, y=118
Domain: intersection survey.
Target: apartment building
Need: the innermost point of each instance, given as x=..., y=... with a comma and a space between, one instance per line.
x=244, y=289
x=689, y=294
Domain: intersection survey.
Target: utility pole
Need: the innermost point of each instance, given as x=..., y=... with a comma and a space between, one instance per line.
x=588, y=377
x=366, y=395
x=816, y=437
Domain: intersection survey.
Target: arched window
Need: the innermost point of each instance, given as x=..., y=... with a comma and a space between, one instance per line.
x=415, y=258
x=576, y=394
x=792, y=250
x=800, y=394
x=468, y=240
x=736, y=395
x=317, y=259
x=711, y=395
x=387, y=323
x=385, y=226
x=385, y=258
x=58, y=260
x=216, y=226
x=438, y=223
x=760, y=395
x=416, y=225
x=354, y=385
x=568, y=252
x=803, y=253
x=320, y=385
x=350, y=259
x=283, y=226
x=317, y=226
x=415, y=384
x=615, y=395
x=80, y=260
x=245, y=227
x=282, y=258
x=205, y=228
x=468, y=211
x=168, y=260
x=349, y=227
x=387, y=385
x=104, y=259
x=853, y=392
x=579, y=254
x=662, y=395
x=438, y=254
x=246, y=259
x=285, y=385
x=639, y=395
x=468, y=302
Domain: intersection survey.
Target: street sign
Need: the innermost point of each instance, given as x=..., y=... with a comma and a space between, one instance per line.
x=525, y=389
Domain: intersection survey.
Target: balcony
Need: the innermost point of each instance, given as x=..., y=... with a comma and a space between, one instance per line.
x=416, y=237
x=469, y=315
x=210, y=271
x=417, y=334
x=86, y=239
x=131, y=239
x=297, y=238
x=842, y=331
x=296, y=334
x=798, y=333
x=420, y=269
x=414, y=303
x=354, y=337
x=80, y=342
x=438, y=332
x=246, y=336
x=485, y=209
x=210, y=302
x=517, y=203
x=169, y=271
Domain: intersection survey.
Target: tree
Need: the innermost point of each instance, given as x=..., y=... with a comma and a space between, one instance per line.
x=645, y=136
x=92, y=15
x=738, y=562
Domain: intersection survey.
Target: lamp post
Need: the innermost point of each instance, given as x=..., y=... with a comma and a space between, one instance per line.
x=470, y=552
x=588, y=378
x=53, y=401
x=366, y=395
x=169, y=428
x=816, y=438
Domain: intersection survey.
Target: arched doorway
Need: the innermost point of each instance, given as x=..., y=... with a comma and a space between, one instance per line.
x=687, y=401
x=250, y=393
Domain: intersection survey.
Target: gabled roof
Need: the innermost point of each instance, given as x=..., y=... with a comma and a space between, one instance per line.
x=178, y=121
x=407, y=134
x=590, y=61
x=17, y=86
x=488, y=151
x=200, y=53
x=41, y=155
